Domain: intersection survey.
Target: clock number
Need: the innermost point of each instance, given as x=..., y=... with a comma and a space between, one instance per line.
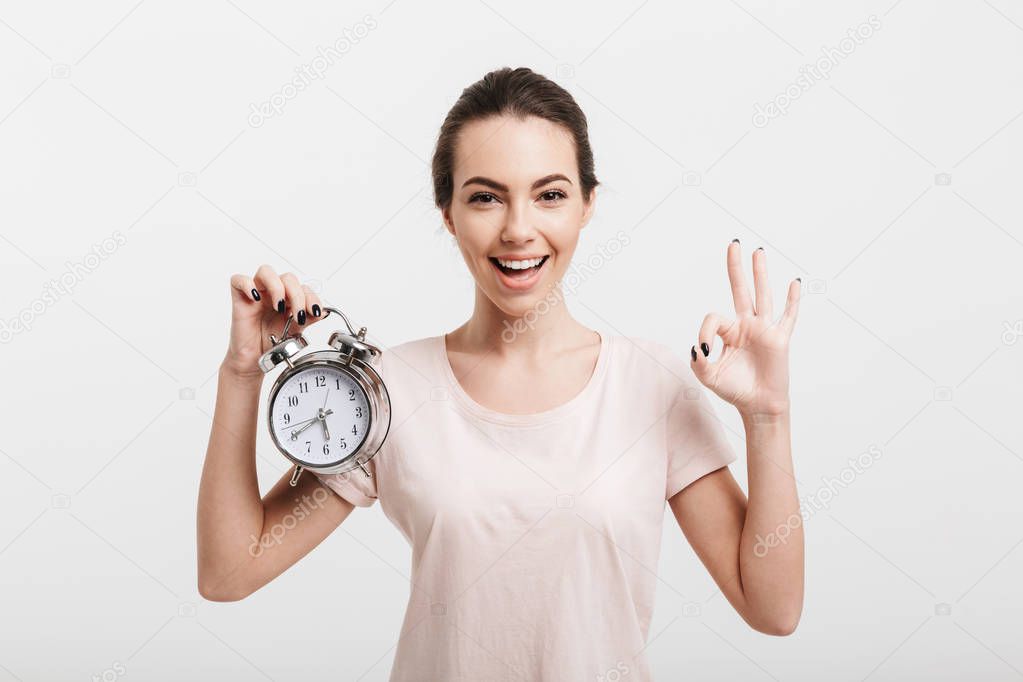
x=321, y=381
x=287, y=418
x=292, y=400
x=303, y=387
x=351, y=394
x=343, y=443
x=358, y=412
x=308, y=446
x=326, y=448
x=355, y=429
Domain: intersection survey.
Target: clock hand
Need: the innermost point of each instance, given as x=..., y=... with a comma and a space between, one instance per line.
x=311, y=419
x=304, y=421
x=294, y=434
x=323, y=416
x=323, y=420
x=308, y=423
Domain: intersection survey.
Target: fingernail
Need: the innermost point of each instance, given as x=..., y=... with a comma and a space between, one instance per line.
x=694, y=352
x=799, y=279
x=301, y=317
x=735, y=241
x=316, y=310
x=705, y=348
x=255, y=295
x=280, y=306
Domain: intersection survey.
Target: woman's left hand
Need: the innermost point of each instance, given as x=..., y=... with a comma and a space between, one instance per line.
x=752, y=371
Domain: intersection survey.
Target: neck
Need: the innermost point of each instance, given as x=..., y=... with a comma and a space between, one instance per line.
x=547, y=326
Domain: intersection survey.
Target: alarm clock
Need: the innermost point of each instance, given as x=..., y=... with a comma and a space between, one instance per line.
x=329, y=410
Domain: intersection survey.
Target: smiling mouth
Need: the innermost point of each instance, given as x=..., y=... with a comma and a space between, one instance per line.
x=518, y=273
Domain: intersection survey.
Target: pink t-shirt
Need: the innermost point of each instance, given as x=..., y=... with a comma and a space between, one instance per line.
x=535, y=538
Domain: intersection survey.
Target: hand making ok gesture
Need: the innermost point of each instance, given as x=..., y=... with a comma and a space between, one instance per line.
x=752, y=371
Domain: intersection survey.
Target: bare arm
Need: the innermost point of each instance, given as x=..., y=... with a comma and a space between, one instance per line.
x=753, y=549
x=244, y=542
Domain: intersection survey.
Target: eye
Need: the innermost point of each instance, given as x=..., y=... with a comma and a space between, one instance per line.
x=553, y=195
x=482, y=198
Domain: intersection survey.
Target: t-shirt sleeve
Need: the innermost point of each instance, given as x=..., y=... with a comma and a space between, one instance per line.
x=354, y=485
x=696, y=440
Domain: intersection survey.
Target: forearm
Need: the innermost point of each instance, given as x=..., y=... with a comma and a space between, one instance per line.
x=771, y=544
x=230, y=510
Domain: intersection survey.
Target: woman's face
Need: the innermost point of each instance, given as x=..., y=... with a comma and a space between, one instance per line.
x=516, y=207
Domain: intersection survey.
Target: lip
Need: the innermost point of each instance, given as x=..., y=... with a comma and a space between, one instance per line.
x=518, y=285
x=519, y=256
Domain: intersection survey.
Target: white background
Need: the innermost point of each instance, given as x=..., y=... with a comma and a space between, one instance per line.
x=134, y=118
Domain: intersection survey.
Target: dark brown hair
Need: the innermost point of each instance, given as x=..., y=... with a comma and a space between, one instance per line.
x=519, y=92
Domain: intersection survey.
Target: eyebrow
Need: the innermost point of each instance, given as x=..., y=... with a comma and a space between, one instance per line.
x=493, y=184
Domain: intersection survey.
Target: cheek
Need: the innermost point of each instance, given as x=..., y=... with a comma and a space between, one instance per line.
x=563, y=236
x=473, y=239
x=561, y=226
x=466, y=227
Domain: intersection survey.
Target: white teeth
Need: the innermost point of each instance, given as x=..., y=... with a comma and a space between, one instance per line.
x=519, y=264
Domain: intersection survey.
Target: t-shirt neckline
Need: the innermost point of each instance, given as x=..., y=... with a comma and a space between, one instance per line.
x=469, y=404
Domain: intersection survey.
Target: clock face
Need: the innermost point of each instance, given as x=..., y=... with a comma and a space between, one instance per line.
x=320, y=415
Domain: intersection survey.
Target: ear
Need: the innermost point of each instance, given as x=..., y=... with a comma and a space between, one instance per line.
x=588, y=208
x=448, y=223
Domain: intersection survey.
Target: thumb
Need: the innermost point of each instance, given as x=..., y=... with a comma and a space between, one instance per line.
x=699, y=362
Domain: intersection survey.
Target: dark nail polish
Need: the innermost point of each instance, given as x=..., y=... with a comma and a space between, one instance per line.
x=301, y=317
x=255, y=295
x=694, y=352
x=280, y=306
x=735, y=241
x=316, y=310
x=760, y=248
x=705, y=348
x=799, y=279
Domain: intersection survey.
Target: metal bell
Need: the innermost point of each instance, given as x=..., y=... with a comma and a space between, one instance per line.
x=282, y=350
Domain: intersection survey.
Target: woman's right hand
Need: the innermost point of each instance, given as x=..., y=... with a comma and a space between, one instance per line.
x=260, y=305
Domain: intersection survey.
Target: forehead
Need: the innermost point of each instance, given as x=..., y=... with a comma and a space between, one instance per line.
x=515, y=151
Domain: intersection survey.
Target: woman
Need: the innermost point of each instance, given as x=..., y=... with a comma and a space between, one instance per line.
x=528, y=465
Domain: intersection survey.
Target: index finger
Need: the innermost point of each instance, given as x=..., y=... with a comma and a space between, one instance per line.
x=267, y=279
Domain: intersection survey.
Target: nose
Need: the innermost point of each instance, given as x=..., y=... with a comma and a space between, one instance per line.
x=518, y=227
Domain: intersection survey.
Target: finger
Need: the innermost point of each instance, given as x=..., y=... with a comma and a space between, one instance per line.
x=740, y=294
x=788, y=318
x=295, y=296
x=765, y=307
x=268, y=282
x=713, y=325
x=312, y=302
x=700, y=364
x=245, y=288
